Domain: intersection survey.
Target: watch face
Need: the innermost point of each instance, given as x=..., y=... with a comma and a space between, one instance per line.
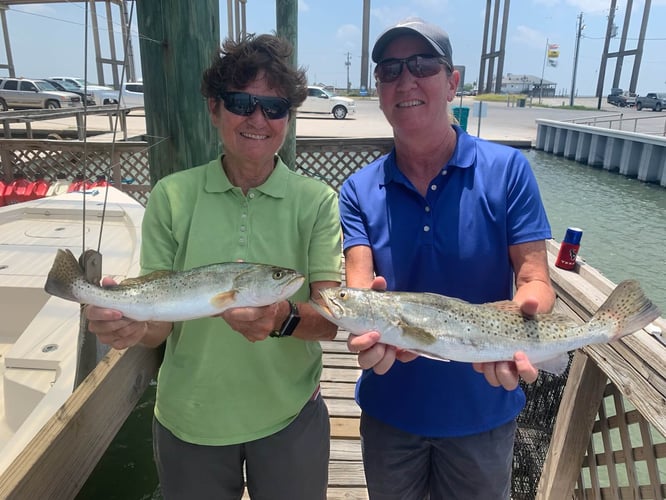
x=290, y=325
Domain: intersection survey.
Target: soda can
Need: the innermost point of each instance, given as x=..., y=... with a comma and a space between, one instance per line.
x=566, y=257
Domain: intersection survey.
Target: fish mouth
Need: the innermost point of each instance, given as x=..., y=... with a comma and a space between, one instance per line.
x=296, y=282
x=322, y=307
x=326, y=305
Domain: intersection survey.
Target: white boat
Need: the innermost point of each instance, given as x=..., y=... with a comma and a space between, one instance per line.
x=39, y=332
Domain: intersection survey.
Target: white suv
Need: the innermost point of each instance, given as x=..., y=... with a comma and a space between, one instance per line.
x=24, y=93
x=320, y=100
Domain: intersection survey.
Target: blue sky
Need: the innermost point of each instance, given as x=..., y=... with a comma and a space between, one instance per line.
x=48, y=39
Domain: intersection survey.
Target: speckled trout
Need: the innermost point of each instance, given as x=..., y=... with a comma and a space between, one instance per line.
x=450, y=329
x=177, y=296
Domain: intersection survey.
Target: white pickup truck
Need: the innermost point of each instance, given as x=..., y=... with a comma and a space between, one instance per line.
x=131, y=93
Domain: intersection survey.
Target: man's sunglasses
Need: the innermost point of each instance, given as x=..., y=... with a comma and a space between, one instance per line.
x=244, y=104
x=420, y=66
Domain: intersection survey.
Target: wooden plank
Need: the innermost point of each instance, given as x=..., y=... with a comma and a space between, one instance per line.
x=634, y=387
x=580, y=402
x=343, y=408
x=346, y=450
x=62, y=455
x=342, y=428
x=334, y=360
x=347, y=494
x=346, y=474
x=341, y=375
x=338, y=389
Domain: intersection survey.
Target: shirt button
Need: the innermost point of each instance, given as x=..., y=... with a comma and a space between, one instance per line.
x=243, y=215
x=444, y=172
x=242, y=228
x=427, y=209
x=433, y=187
x=426, y=228
x=251, y=195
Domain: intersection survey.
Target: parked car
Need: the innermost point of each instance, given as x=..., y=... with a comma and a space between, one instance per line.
x=68, y=87
x=131, y=94
x=621, y=98
x=656, y=101
x=320, y=100
x=101, y=95
x=24, y=93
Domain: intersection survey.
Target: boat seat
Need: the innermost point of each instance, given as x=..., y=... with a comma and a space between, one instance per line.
x=47, y=342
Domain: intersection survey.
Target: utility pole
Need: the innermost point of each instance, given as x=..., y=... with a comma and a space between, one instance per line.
x=174, y=108
x=579, y=32
x=348, y=63
x=365, y=81
x=286, y=20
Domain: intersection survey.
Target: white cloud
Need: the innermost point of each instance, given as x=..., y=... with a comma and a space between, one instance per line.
x=529, y=36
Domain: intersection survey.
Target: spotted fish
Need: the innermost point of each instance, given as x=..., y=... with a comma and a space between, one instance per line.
x=451, y=329
x=177, y=296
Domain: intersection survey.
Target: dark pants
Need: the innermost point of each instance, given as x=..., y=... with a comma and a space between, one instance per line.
x=404, y=466
x=289, y=465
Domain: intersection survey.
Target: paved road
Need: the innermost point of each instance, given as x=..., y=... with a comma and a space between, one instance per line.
x=502, y=121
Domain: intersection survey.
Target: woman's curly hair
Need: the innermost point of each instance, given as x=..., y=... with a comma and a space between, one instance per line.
x=237, y=63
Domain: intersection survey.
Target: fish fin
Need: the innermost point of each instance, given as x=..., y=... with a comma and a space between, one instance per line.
x=555, y=365
x=138, y=280
x=64, y=272
x=627, y=309
x=428, y=355
x=418, y=334
x=224, y=300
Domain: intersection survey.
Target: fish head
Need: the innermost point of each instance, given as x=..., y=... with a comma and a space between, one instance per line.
x=349, y=308
x=262, y=284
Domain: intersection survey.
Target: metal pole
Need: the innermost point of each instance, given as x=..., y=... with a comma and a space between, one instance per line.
x=579, y=30
x=543, y=69
x=348, y=63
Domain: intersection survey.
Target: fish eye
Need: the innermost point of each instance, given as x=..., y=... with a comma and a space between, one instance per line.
x=342, y=294
x=278, y=275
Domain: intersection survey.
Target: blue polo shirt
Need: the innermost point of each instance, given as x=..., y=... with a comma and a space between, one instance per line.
x=454, y=242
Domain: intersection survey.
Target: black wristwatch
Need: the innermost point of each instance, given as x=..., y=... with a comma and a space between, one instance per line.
x=289, y=324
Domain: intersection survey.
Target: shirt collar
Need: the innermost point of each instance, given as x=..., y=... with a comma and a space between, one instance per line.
x=275, y=186
x=464, y=156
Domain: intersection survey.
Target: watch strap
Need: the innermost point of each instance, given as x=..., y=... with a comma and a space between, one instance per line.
x=290, y=323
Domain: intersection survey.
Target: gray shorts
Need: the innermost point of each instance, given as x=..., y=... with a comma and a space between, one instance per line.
x=292, y=464
x=404, y=466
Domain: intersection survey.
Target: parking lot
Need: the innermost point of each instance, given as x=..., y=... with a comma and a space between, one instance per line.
x=501, y=122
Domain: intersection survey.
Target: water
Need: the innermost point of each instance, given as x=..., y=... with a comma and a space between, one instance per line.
x=624, y=234
x=623, y=220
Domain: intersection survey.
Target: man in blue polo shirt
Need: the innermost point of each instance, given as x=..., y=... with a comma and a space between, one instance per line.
x=448, y=213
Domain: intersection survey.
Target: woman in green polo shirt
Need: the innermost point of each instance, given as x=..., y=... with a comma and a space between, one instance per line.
x=241, y=391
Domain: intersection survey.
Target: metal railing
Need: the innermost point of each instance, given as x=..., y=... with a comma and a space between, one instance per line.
x=619, y=121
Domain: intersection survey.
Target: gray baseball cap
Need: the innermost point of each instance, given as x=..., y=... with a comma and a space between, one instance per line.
x=435, y=36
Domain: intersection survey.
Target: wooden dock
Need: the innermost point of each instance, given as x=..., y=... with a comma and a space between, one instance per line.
x=345, y=473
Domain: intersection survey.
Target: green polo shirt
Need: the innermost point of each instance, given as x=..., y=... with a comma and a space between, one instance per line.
x=214, y=387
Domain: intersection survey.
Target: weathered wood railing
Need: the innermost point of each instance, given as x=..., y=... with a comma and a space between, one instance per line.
x=608, y=438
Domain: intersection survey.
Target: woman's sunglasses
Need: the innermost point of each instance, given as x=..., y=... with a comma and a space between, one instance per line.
x=420, y=66
x=244, y=104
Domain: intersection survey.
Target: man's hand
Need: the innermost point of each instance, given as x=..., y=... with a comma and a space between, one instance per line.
x=508, y=373
x=254, y=323
x=372, y=353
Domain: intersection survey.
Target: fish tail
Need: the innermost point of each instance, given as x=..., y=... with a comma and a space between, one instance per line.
x=64, y=272
x=627, y=309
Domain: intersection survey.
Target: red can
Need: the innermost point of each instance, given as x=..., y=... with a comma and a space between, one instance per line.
x=566, y=257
